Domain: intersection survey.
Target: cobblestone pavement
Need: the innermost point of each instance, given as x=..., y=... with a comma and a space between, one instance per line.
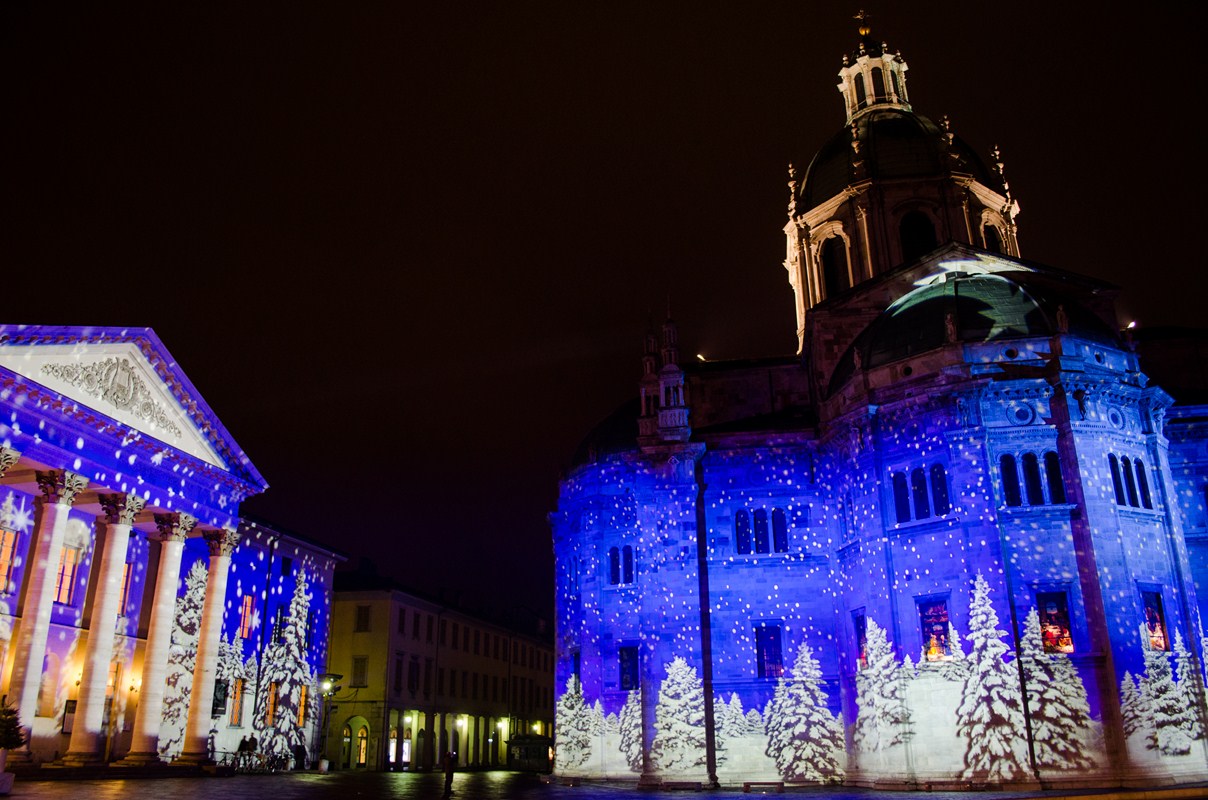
x=466, y=786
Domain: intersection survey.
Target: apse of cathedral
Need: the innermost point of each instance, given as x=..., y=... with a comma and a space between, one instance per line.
x=954, y=541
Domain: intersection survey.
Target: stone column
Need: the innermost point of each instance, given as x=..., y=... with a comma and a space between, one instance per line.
x=88, y=735
x=201, y=699
x=144, y=745
x=59, y=490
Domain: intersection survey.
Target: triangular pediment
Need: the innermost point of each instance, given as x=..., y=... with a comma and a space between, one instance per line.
x=125, y=375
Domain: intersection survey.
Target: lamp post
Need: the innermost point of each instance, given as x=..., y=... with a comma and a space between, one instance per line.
x=328, y=686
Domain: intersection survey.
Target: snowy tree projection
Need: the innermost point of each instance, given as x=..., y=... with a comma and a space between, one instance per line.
x=630, y=722
x=1132, y=706
x=181, y=657
x=1057, y=704
x=884, y=719
x=287, y=691
x=1190, y=686
x=575, y=725
x=679, y=741
x=1169, y=723
x=990, y=715
x=804, y=738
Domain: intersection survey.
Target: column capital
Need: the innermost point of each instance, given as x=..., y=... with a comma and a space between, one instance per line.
x=121, y=508
x=221, y=542
x=8, y=457
x=174, y=527
x=60, y=486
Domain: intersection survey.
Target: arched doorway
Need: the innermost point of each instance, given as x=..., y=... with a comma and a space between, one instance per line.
x=354, y=743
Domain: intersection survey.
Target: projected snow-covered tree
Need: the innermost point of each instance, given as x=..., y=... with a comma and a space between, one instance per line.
x=574, y=724
x=883, y=719
x=182, y=653
x=679, y=721
x=1057, y=705
x=287, y=684
x=631, y=730
x=804, y=738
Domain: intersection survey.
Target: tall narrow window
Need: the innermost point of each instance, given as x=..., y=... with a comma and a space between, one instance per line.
x=1142, y=483
x=878, y=83
x=69, y=564
x=1155, y=620
x=835, y=275
x=627, y=663
x=246, y=612
x=939, y=490
x=861, y=92
x=761, y=530
x=1031, y=479
x=991, y=239
x=413, y=675
x=614, y=566
x=398, y=673
x=917, y=234
x=270, y=704
x=901, y=497
x=626, y=565
x=742, y=531
x=933, y=622
x=1130, y=482
x=1010, y=480
x=768, y=662
x=124, y=596
x=302, y=706
x=1052, y=472
x=918, y=490
x=236, y=703
x=360, y=671
x=860, y=622
x=1116, y=482
x=362, y=620
x=8, y=550
x=780, y=531
x=1054, y=611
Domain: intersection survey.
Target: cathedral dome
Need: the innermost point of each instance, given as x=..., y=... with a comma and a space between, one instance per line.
x=973, y=308
x=894, y=143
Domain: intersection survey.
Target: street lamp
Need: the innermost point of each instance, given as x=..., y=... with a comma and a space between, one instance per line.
x=328, y=686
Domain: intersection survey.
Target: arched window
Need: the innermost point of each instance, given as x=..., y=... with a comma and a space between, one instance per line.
x=835, y=277
x=991, y=239
x=1116, y=484
x=362, y=746
x=918, y=489
x=761, y=531
x=614, y=566
x=861, y=94
x=627, y=559
x=1031, y=479
x=917, y=234
x=878, y=83
x=1130, y=483
x=897, y=88
x=1052, y=471
x=901, y=497
x=742, y=531
x=1010, y=480
x=1143, y=483
x=939, y=490
x=780, y=531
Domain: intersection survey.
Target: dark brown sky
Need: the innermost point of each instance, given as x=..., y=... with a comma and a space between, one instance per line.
x=407, y=255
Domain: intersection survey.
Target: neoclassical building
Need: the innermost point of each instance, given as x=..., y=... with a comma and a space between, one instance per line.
x=140, y=617
x=956, y=540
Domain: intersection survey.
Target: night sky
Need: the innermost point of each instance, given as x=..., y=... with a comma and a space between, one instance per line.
x=408, y=254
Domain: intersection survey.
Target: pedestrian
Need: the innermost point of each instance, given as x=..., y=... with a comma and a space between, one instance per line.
x=241, y=753
x=449, y=762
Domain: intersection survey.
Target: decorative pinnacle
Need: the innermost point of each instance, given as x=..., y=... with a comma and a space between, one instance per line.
x=792, y=190
x=996, y=154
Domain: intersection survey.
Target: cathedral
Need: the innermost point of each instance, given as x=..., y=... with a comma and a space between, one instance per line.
x=955, y=541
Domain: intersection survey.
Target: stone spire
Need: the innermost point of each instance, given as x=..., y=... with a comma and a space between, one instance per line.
x=872, y=77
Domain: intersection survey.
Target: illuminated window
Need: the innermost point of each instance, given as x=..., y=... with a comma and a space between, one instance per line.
x=69, y=564
x=933, y=623
x=270, y=703
x=302, y=705
x=361, y=625
x=1054, y=612
x=1155, y=620
x=780, y=531
x=362, y=747
x=236, y=703
x=8, y=549
x=360, y=671
x=742, y=531
x=768, y=663
x=627, y=663
x=124, y=596
x=245, y=616
x=860, y=623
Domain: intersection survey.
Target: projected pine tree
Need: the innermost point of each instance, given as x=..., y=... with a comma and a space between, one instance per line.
x=804, y=738
x=287, y=684
x=957, y=668
x=574, y=724
x=883, y=719
x=1191, y=688
x=1132, y=706
x=1057, y=703
x=631, y=730
x=182, y=653
x=990, y=714
x=679, y=720
x=1170, y=722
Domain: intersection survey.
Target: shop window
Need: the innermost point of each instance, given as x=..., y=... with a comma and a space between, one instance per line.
x=1155, y=620
x=768, y=661
x=933, y=623
x=1054, y=612
x=627, y=658
x=761, y=530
